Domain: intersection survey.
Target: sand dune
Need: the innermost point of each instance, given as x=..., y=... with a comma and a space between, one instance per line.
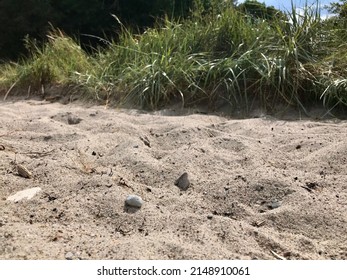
x=258, y=187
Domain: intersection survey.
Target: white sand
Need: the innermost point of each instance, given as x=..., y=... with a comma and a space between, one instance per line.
x=257, y=185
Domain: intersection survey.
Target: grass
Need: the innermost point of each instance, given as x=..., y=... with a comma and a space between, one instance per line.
x=219, y=57
x=57, y=62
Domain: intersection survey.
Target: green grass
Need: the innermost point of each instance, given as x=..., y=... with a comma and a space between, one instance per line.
x=59, y=61
x=223, y=56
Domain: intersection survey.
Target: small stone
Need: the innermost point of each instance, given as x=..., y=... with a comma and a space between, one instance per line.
x=47, y=138
x=28, y=194
x=274, y=205
x=69, y=256
x=183, y=182
x=134, y=201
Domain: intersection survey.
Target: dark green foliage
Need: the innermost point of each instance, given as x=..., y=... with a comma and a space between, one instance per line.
x=338, y=22
x=143, y=13
x=85, y=19
x=339, y=8
x=19, y=18
x=260, y=10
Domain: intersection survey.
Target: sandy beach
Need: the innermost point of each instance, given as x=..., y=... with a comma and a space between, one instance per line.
x=260, y=188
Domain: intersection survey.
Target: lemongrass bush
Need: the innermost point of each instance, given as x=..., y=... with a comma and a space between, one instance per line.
x=187, y=61
x=59, y=61
x=331, y=70
x=222, y=55
x=333, y=77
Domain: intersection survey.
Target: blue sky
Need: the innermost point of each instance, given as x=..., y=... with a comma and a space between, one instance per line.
x=286, y=5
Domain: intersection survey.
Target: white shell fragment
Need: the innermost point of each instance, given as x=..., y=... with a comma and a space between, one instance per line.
x=134, y=201
x=69, y=256
x=28, y=194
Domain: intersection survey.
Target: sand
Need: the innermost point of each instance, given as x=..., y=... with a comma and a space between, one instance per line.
x=260, y=188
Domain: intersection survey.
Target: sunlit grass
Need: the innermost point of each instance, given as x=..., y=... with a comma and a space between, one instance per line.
x=223, y=55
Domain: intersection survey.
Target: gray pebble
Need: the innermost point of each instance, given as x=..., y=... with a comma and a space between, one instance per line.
x=183, y=182
x=69, y=256
x=274, y=204
x=134, y=201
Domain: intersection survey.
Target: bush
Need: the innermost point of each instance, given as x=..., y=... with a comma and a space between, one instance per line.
x=220, y=56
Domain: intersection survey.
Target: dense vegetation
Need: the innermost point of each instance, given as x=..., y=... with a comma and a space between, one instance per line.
x=78, y=18
x=218, y=54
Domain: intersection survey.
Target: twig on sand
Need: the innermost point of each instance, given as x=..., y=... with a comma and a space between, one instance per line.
x=307, y=188
x=277, y=255
x=258, y=223
x=38, y=154
x=8, y=133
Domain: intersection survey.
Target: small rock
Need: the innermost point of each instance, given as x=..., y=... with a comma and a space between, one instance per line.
x=69, y=256
x=134, y=201
x=312, y=185
x=183, y=182
x=47, y=138
x=28, y=194
x=274, y=205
